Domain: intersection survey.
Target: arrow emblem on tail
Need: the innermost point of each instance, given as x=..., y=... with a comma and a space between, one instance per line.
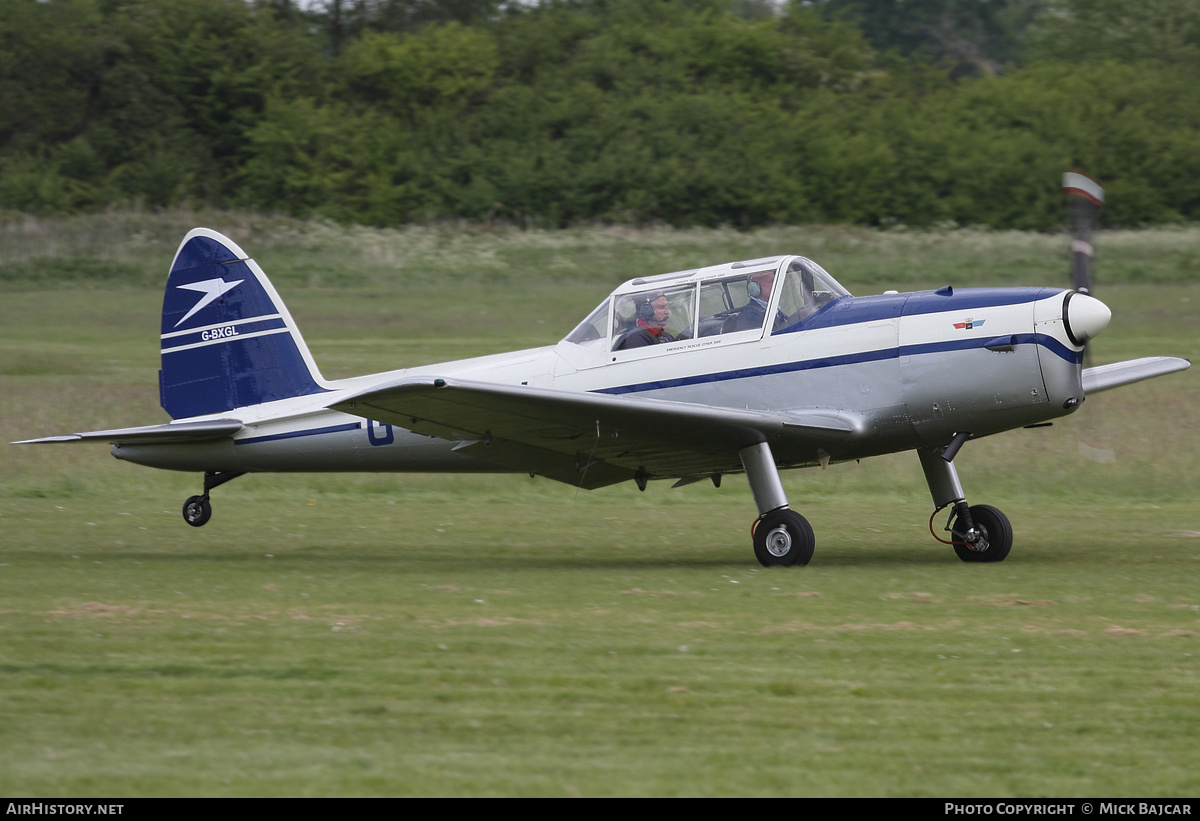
x=212, y=289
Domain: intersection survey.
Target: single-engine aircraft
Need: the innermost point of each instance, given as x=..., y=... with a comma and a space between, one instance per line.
x=747, y=367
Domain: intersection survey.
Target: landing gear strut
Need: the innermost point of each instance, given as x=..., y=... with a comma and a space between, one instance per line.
x=980, y=533
x=782, y=537
x=197, y=510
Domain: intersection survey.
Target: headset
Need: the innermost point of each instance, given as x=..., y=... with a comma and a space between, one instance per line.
x=645, y=311
x=753, y=287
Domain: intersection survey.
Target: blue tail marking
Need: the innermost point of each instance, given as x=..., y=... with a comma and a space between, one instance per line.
x=228, y=341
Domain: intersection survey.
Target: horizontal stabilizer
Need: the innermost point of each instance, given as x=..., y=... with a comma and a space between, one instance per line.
x=1103, y=377
x=158, y=434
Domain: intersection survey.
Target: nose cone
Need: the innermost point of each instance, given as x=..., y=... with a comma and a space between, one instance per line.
x=1084, y=317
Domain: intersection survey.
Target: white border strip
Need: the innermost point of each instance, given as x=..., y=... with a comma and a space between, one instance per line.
x=263, y=318
x=224, y=339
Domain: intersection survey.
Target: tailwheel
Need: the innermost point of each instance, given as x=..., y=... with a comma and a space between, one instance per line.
x=197, y=510
x=992, y=539
x=783, y=538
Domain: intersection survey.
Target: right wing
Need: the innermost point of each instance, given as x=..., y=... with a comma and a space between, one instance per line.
x=1104, y=377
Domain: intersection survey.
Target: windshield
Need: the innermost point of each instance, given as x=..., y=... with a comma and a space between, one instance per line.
x=593, y=331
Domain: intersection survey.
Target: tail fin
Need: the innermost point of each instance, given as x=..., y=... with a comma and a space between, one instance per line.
x=228, y=341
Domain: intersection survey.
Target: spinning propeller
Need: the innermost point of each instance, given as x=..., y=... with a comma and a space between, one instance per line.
x=1084, y=197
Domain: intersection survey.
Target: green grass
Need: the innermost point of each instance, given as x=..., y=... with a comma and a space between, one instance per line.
x=414, y=635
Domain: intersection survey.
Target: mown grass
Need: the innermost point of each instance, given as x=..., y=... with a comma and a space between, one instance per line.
x=412, y=635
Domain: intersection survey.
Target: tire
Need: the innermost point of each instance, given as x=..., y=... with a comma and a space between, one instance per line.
x=197, y=511
x=783, y=538
x=996, y=529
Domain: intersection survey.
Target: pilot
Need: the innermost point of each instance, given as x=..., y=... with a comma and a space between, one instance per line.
x=759, y=287
x=651, y=326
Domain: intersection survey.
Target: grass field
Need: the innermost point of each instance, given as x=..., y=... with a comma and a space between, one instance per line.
x=410, y=635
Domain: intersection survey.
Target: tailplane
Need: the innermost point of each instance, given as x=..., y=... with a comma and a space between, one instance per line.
x=228, y=340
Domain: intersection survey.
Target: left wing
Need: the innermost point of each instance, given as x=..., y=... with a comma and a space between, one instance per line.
x=593, y=439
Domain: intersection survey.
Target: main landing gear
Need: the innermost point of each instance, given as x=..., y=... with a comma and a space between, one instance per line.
x=197, y=510
x=782, y=537
x=978, y=533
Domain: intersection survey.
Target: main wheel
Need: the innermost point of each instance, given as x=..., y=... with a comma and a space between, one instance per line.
x=995, y=528
x=783, y=538
x=197, y=511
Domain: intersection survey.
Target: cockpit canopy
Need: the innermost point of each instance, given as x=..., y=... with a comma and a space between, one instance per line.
x=735, y=298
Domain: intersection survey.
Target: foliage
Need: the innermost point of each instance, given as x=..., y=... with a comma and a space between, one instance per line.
x=967, y=37
x=1081, y=31
x=702, y=112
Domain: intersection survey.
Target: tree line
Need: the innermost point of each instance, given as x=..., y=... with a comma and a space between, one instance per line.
x=685, y=112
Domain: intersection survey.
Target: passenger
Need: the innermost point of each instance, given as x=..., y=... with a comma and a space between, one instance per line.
x=759, y=287
x=653, y=311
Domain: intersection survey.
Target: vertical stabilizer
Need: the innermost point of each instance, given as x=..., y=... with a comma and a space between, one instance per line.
x=228, y=341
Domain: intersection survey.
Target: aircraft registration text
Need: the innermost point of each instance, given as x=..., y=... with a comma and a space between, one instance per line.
x=219, y=333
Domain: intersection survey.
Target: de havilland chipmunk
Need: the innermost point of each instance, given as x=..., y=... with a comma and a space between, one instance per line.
x=749, y=367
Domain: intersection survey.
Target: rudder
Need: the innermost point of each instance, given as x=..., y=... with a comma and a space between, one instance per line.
x=228, y=340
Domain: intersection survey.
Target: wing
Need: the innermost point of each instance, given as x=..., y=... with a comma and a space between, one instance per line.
x=1104, y=377
x=159, y=434
x=592, y=439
